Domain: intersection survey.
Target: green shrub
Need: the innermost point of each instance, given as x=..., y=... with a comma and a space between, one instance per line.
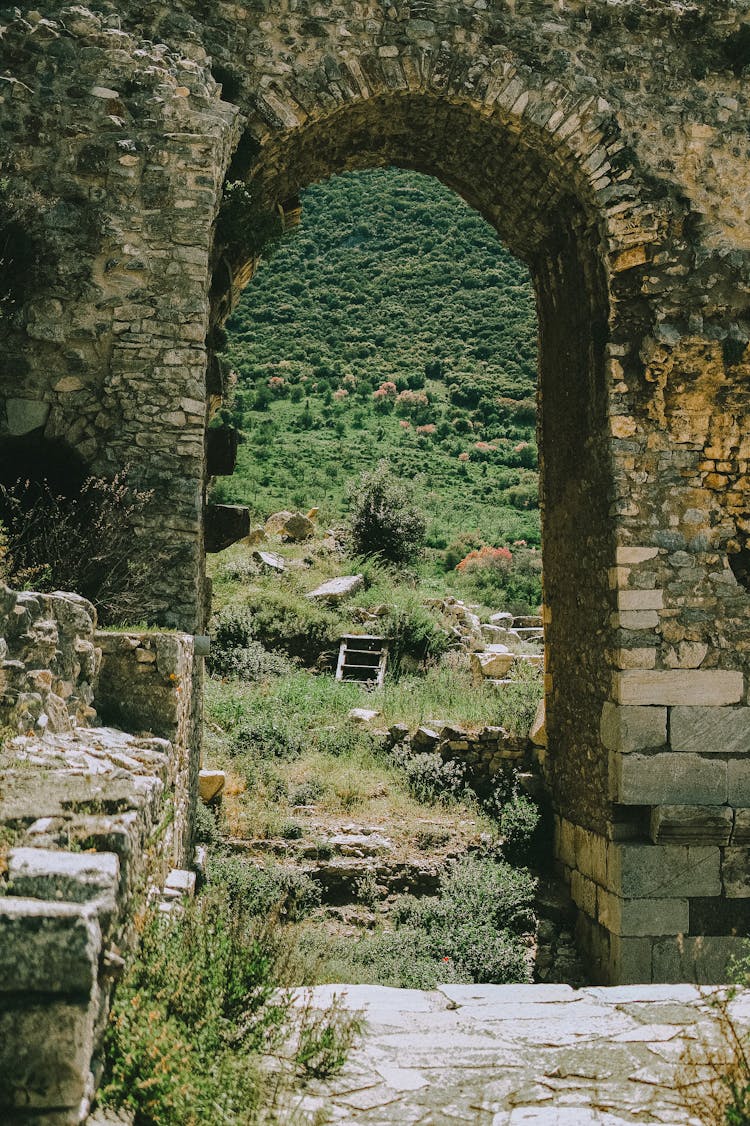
x=519, y=821
x=191, y=1016
x=261, y=892
x=235, y=654
x=478, y=919
x=383, y=519
x=267, y=737
x=430, y=780
x=287, y=622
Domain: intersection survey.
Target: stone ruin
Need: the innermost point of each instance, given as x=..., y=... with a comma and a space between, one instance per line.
x=92, y=820
x=607, y=143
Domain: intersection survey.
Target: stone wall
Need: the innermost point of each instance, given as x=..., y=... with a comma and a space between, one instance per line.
x=90, y=817
x=607, y=144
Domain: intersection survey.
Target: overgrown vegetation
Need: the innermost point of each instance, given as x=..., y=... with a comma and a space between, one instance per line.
x=87, y=543
x=392, y=325
x=202, y=1011
x=384, y=521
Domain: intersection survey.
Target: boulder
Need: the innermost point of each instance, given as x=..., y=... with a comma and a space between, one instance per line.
x=493, y=662
x=502, y=618
x=336, y=590
x=257, y=535
x=270, y=560
x=363, y=715
x=298, y=528
x=424, y=739
x=210, y=784
x=275, y=523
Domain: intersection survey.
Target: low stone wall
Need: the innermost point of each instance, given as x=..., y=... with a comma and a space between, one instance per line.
x=485, y=754
x=90, y=817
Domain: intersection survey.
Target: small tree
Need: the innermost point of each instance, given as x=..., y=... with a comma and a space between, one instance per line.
x=384, y=520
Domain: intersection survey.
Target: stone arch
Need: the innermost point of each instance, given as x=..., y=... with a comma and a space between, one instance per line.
x=552, y=175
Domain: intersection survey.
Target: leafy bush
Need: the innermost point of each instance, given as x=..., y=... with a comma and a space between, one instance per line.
x=267, y=737
x=430, y=780
x=478, y=919
x=260, y=892
x=384, y=521
x=235, y=654
x=85, y=543
x=519, y=822
x=285, y=621
x=504, y=577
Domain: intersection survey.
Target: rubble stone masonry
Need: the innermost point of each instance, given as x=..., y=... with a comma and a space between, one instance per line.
x=608, y=145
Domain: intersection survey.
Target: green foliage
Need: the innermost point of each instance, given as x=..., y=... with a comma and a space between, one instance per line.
x=411, y=288
x=244, y=228
x=234, y=652
x=430, y=780
x=191, y=1017
x=85, y=543
x=473, y=930
x=384, y=521
x=286, y=622
x=324, y=1040
x=477, y=920
x=519, y=822
x=259, y=892
x=267, y=737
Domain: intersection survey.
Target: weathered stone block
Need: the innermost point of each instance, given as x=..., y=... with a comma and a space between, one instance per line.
x=691, y=824
x=638, y=600
x=738, y=782
x=73, y=876
x=629, y=960
x=45, y=1051
x=627, y=556
x=703, y=959
x=583, y=893
x=693, y=687
x=741, y=830
x=25, y=415
x=735, y=873
x=639, y=658
x=641, y=917
x=706, y=730
x=225, y=524
x=635, y=619
x=637, y=871
x=631, y=728
x=591, y=854
x=667, y=779
x=47, y=947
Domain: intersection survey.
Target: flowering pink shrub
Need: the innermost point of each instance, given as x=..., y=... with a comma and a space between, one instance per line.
x=485, y=557
x=405, y=424
x=276, y=382
x=428, y=428
x=386, y=390
x=521, y=446
x=342, y=393
x=483, y=447
x=464, y=457
x=350, y=380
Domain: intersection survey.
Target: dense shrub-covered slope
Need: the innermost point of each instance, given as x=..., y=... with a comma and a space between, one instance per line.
x=391, y=324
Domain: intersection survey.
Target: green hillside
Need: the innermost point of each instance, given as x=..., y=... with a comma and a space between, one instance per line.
x=391, y=279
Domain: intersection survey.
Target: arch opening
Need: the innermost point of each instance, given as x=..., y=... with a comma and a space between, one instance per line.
x=538, y=199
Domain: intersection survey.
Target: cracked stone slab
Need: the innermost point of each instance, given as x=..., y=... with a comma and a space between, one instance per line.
x=515, y=1055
